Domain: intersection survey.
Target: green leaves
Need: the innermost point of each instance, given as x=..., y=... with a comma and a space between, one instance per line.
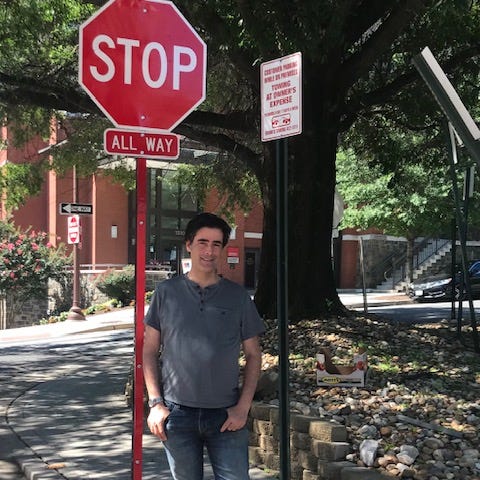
x=28, y=260
x=414, y=200
x=20, y=180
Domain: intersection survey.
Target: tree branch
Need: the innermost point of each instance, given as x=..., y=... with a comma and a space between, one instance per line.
x=400, y=17
x=388, y=91
x=223, y=142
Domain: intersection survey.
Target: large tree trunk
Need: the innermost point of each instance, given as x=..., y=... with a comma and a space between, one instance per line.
x=312, y=155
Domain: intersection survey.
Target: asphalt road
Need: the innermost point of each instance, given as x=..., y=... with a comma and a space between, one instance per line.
x=424, y=312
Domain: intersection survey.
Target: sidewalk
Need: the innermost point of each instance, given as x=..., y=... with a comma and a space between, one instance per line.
x=65, y=417
x=355, y=299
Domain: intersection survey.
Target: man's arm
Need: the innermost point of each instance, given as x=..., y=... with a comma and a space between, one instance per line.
x=237, y=415
x=158, y=413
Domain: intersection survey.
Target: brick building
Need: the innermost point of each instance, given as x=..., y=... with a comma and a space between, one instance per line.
x=108, y=234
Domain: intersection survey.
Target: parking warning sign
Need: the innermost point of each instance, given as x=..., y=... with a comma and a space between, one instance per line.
x=281, y=97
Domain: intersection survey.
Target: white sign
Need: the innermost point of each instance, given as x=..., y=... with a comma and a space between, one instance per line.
x=281, y=97
x=186, y=265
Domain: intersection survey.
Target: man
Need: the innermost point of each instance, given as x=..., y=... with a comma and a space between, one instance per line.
x=199, y=321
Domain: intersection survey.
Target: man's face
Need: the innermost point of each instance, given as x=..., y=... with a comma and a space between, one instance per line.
x=205, y=249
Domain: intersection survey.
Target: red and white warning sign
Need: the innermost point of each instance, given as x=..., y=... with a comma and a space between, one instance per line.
x=73, y=229
x=281, y=97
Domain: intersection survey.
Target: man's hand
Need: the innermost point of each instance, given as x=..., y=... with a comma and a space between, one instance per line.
x=156, y=420
x=237, y=418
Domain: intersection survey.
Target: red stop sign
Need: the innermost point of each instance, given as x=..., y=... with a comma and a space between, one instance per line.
x=142, y=63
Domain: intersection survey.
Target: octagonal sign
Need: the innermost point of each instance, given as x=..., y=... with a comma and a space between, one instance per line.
x=142, y=63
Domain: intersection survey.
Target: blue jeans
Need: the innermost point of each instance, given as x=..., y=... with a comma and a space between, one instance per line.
x=189, y=430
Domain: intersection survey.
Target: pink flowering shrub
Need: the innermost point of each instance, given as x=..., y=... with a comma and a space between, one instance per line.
x=27, y=261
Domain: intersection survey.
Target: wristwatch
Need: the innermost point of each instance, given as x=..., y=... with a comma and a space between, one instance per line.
x=155, y=401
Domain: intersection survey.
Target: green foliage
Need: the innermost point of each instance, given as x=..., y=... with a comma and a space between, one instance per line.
x=118, y=284
x=414, y=200
x=28, y=260
x=236, y=186
x=18, y=181
x=148, y=296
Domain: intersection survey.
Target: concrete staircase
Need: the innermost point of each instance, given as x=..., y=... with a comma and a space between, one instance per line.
x=436, y=263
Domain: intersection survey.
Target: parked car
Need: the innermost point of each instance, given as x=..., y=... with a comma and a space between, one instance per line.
x=442, y=286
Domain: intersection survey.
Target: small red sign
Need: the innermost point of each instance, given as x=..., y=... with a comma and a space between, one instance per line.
x=233, y=252
x=141, y=144
x=73, y=229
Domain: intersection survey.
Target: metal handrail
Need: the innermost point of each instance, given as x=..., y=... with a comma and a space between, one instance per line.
x=393, y=265
x=423, y=251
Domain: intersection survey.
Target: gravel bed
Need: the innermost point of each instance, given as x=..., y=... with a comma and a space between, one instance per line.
x=418, y=415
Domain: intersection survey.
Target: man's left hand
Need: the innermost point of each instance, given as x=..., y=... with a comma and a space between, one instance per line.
x=237, y=418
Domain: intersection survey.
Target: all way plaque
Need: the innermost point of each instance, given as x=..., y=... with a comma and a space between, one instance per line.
x=141, y=144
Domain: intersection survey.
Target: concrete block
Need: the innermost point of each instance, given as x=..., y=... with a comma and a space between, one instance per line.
x=301, y=423
x=261, y=427
x=331, y=470
x=260, y=411
x=253, y=439
x=307, y=460
x=296, y=471
x=272, y=461
x=328, y=431
x=256, y=456
x=330, y=451
x=362, y=473
x=268, y=444
x=307, y=475
x=300, y=440
x=274, y=415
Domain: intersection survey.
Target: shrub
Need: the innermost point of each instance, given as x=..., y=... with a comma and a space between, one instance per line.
x=27, y=262
x=118, y=284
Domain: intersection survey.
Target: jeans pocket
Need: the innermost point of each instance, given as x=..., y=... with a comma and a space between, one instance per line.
x=170, y=405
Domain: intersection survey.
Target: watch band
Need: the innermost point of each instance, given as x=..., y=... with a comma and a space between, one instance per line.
x=155, y=401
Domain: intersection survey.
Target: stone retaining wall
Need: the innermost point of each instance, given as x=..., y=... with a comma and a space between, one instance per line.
x=58, y=298
x=317, y=447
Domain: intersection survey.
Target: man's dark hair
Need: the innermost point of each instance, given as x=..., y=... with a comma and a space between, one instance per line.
x=208, y=220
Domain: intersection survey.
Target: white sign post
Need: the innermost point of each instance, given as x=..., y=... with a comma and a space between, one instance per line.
x=281, y=97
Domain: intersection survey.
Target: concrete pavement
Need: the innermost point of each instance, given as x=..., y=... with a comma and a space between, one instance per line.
x=355, y=299
x=64, y=415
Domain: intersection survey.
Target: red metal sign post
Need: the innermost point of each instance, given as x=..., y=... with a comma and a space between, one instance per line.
x=138, y=382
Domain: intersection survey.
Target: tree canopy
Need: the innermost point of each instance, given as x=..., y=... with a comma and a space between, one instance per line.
x=357, y=80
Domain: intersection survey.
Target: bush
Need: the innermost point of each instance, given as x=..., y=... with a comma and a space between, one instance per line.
x=27, y=261
x=118, y=284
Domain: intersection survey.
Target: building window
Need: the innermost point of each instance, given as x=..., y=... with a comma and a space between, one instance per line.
x=171, y=206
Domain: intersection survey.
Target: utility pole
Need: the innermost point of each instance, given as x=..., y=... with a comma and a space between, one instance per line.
x=75, y=312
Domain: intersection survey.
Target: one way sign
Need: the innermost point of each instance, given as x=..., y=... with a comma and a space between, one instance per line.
x=76, y=208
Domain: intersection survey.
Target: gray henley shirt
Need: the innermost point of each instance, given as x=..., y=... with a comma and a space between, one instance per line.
x=201, y=333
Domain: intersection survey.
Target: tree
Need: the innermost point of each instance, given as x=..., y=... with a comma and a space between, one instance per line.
x=417, y=204
x=357, y=63
x=27, y=262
